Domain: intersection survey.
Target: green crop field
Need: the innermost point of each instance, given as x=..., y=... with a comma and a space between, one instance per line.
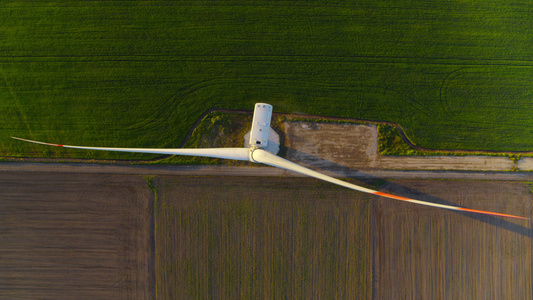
x=452, y=74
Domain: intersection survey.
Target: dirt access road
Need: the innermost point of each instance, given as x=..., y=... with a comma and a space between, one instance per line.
x=339, y=150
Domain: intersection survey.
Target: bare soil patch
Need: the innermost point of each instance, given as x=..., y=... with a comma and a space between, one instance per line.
x=69, y=236
x=525, y=164
x=354, y=146
x=332, y=146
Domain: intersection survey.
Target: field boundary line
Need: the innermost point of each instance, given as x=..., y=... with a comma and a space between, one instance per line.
x=290, y=117
x=268, y=58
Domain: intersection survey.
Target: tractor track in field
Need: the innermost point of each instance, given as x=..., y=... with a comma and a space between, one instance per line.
x=375, y=59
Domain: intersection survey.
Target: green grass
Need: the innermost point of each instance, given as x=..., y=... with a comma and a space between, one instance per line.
x=392, y=142
x=453, y=74
x=216, y=129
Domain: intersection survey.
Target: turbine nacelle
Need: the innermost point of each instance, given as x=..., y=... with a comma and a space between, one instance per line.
x=261, y=125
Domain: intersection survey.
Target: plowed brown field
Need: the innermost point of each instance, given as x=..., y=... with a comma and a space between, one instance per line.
x=427, y=253
x=67, y=236
x=261, y=238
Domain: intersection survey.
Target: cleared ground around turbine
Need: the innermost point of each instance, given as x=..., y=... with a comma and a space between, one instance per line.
x=344, y=148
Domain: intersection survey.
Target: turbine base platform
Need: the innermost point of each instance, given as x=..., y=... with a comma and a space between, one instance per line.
x=273, y=142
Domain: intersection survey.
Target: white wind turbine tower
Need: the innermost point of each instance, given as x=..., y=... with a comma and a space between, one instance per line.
x=258, y=141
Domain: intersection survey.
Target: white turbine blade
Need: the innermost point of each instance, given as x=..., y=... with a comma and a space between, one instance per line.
x=267, y=158
x=226, y=153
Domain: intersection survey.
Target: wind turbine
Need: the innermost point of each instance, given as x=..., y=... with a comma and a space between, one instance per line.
x=256, y=153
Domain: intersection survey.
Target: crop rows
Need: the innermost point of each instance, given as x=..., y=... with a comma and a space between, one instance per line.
x=140, y=74
x=248, y=238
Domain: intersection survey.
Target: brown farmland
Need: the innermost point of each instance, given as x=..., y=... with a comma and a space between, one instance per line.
x=428, y=253
x=297, y=237
x=67, y=236
x=261, y=238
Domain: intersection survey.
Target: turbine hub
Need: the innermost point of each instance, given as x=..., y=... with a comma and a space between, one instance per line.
x=251, y=153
